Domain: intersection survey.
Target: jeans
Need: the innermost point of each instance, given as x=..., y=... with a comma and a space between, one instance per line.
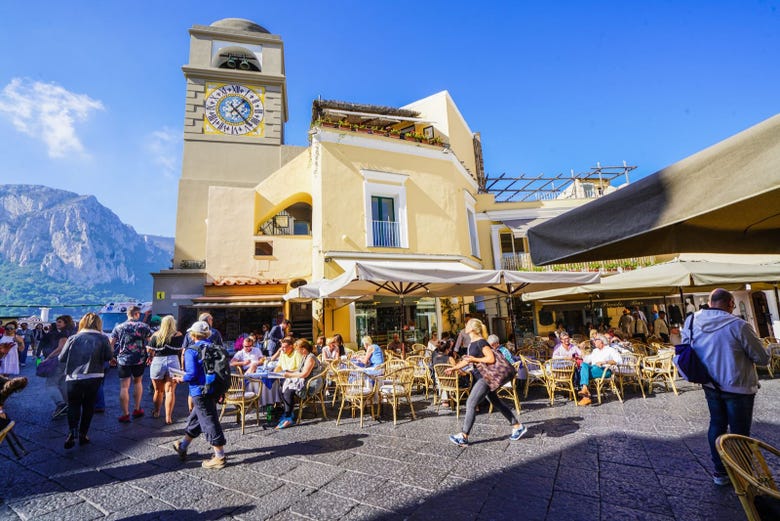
x=588, y=372
x=204, y=418
x=81, y=403
x=479, y=391
x=23, y=354
x=728, y=411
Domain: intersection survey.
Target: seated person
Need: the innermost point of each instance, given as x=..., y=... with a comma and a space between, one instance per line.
x=289, y=358
x=552, y=341
x=330, y=351
x=396, y=346
x=495, y=343
x=433, y=344
x=374, y=355
x=319, y=345
x=595, y=365
x=567, y=349
x=295, y=380
x=249, y=358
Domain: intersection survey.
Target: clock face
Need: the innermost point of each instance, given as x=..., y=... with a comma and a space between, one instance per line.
x=234, y=110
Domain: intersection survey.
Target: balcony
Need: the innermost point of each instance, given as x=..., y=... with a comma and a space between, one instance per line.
x=522, y=262
x=386, y=234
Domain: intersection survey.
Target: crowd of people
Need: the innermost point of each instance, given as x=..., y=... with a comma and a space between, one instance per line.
x=82, y=354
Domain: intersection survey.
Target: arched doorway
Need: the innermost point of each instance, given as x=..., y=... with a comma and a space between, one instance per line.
x=763, y=317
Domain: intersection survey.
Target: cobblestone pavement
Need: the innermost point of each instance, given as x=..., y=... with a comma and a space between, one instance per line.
x=641, y=460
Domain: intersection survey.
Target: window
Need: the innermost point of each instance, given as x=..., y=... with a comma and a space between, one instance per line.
x=471, y=217
x=263, y=248
x=385, y=207
x=511, y=244
x=294, y=220
x=384, y=222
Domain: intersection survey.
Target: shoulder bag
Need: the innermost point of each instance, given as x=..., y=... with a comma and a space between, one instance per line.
x=497, y=373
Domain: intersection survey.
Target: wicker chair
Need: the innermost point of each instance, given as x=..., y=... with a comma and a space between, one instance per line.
x=450, y=384
x=418, y=349
x=769, y=367
x=242, y=399
x=774, y=356
x=357, y=389
x=630, y=371
x=745, y=462
x=314, y=398
x=536, y=374
x=603, y=381
x=509, y=390
x=422, y=372
x=659, y=369
x=559, y=374
x=396, y=363
x=397, y=385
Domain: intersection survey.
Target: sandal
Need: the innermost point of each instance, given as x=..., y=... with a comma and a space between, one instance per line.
x=155, y=414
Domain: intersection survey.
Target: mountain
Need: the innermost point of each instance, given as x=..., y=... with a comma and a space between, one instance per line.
x=61, y=247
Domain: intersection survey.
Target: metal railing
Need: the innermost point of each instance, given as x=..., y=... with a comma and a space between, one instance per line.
x=386, y=234
x=522, y=262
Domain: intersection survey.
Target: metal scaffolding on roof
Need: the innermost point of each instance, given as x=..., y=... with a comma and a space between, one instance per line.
x=526, y=187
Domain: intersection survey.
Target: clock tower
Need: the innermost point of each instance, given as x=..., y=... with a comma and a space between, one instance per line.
x=235, y=110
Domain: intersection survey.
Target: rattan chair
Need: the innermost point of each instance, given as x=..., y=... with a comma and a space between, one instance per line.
x=509, y=390
x=774, y=356
x=418, y=349
x=357, y=389
x=398, y=384
x=659, y=369
x=769, y=367
x=745, y=462
x=316, y=397
x=559, y=374
x=629, y=370
x=240, y=398
x=422, y=372
x=536, y=374
x=603, y=382
x=450, y=384
x=396, y=363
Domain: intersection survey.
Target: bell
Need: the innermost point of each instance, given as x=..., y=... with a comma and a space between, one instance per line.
x=231, y=63
x=244, y=65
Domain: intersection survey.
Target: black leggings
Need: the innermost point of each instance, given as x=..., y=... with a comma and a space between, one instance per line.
x=288, y=399
x=82, y=395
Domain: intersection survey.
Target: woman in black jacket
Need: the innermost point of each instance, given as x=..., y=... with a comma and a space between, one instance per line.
x=84, y=355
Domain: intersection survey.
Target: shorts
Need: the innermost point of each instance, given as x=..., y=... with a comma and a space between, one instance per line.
x=160, y=366
x=126, y=371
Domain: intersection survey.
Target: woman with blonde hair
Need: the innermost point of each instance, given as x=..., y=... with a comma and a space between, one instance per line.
x=165, y=347
x=84, y=356
x=480, y=352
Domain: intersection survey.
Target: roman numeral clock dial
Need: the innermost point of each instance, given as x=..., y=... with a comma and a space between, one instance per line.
x=234, y=110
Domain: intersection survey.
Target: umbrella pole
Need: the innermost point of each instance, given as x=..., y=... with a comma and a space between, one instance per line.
x=403, y=341
x=511, y=311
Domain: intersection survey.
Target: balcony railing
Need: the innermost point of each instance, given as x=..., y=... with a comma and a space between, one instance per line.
x=386, y=234
x=522, y=262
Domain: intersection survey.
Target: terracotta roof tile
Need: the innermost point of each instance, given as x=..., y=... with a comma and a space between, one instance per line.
x=244, y=281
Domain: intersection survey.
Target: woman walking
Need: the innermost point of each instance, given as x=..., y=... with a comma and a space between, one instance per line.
x=165, y=346
x=479, y=352
x=84, y=355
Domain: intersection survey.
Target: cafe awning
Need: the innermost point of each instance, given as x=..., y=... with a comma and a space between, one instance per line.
x=724, y=199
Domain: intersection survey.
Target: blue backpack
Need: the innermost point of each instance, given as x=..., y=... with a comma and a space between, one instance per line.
x=688, y=363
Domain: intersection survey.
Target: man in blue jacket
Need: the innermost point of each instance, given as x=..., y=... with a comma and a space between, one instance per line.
x=728, y=347
x=203, y=417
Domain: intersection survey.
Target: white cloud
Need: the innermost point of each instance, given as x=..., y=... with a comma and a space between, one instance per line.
x=48, y=112
x=164, y=149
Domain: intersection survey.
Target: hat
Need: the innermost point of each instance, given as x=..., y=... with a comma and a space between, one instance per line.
x=200, y=327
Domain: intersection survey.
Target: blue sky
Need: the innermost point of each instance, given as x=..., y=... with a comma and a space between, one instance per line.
x=92, y=94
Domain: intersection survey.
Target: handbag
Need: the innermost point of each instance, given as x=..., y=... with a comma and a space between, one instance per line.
x=497, y=373
x=48, y=367
x=688, y=363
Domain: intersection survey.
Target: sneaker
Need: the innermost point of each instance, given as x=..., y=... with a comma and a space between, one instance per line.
x=181, y=452
x=459, y=440
x=584, y=392
x=70, y=441
x=124, y=419
x=214, y=463
x=585, y=401
x=721, y=479
x=284, y=423
x=518, y=433
x=61, y=410
x=138, y=413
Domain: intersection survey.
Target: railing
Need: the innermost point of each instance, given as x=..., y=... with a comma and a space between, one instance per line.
x=522, y=262
x=387, y=234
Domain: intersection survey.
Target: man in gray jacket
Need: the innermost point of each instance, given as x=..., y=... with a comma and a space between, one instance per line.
x=728, y=347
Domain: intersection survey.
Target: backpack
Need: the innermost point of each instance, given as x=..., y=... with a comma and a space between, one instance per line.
x=216, y=366
x=688, y=363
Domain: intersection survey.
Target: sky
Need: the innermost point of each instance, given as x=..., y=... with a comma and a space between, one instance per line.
x=92, y=93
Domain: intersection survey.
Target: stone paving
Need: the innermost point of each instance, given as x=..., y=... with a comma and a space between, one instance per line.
x=641, y=460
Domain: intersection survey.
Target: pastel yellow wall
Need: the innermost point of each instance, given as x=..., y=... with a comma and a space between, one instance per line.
x=436, y=210
x=230, y=241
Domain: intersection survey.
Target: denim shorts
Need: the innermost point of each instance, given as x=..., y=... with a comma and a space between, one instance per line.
x=160, y=365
